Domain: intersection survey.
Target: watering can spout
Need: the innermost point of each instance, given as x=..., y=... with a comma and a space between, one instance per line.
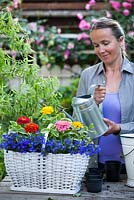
x=66, y=113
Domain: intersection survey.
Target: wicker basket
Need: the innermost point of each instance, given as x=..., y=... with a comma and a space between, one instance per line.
x=54, y=173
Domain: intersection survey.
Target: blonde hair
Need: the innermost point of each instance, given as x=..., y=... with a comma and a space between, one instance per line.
x=114, y=25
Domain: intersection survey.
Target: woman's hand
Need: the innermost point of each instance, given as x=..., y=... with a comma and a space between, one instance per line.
x=112, y=127
x=99, y=94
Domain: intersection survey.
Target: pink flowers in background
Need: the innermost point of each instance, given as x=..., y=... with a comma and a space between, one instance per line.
x=124, y=7
x=90, y=4
x=127, y=5
x=62, y=126
x=40, y=39
x=80, y=16
x=108, y=14
x=41, y=29
x=84, y=25
x=33, y=26
x=70, y=45
x=16, y=3
x=131, y=34
x=66, y=54
x=13, y=5
x=116, y=5
x=82, y=36
x=126, y=12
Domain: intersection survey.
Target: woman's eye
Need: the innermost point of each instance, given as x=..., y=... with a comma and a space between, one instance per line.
x=106, y=43
x=96, y=45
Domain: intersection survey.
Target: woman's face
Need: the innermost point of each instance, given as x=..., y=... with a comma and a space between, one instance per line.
x=106, y=46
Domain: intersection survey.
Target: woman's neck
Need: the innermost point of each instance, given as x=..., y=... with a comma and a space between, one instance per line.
x=114, y=67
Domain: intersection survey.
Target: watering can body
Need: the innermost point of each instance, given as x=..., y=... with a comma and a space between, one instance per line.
x=86, y=110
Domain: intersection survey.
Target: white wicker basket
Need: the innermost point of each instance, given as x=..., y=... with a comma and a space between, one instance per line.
x=54, y=173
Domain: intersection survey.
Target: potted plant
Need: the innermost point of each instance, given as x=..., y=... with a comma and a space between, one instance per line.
x=48, y=155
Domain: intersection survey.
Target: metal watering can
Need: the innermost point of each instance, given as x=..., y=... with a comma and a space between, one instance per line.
x=86, y=111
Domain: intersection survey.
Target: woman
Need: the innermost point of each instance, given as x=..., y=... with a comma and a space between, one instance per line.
x=114, y=76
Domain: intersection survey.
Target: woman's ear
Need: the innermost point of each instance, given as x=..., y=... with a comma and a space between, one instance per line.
x=122, y=45
x=121, y=39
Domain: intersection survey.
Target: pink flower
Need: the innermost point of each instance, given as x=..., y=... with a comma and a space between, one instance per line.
x=9, y=9
x=82, y=36
x=84, y=25
x=33, y=26
x=126, y=5
x=62, y=126
x=126, y=12
x=40, y=39
x=131, y=33
x=41, y=29
x=92, y=2
x=93, y=20
x=41, y=46
x=87, y=42
x=80, y=16
x=108, y=14
x=116, y=5
x=87, y=6
x=130, y=1
x=70, y=45
x=16, y=3
x=66, y=54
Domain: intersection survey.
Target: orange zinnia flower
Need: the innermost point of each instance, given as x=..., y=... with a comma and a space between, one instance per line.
x=31, y=127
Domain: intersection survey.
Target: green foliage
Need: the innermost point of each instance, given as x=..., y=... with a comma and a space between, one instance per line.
x=2, y=166
x=68, y=92
x=33, y=91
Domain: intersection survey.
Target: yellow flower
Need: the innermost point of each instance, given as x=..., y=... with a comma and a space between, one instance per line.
x=77, y=124
x=47, y=110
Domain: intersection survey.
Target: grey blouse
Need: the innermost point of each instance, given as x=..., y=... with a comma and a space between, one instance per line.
x=96, y=75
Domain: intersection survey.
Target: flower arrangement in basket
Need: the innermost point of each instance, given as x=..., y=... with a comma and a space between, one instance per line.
x=52, y=132
x=53, y=148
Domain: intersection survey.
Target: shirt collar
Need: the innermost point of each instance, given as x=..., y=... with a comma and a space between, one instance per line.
x=127, y=66
x=101, y=68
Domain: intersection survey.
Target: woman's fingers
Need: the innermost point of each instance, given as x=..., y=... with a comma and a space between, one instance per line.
x=99, y=94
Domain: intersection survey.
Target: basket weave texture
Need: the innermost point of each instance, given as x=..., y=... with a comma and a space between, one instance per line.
x=54, y=173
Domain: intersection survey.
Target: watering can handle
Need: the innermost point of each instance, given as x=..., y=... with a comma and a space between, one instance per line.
x=128, y=153
x=92, y=88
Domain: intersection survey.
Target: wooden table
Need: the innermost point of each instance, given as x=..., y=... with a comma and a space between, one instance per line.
x=110, y=191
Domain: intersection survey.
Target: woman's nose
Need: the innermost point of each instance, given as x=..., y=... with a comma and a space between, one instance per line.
x=101, y=49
